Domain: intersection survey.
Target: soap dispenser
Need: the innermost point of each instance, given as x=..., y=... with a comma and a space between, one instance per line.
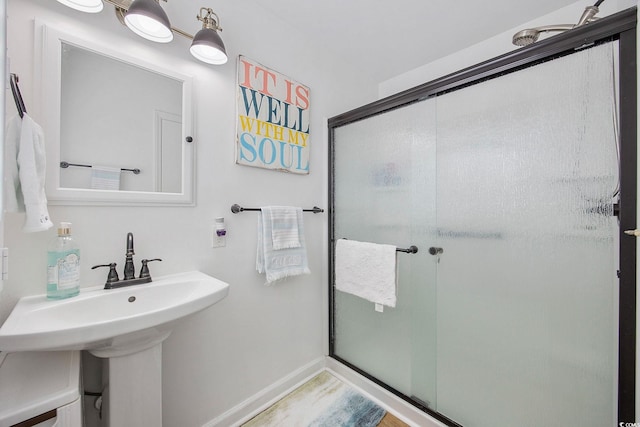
x=63, y=265
x=219, y=237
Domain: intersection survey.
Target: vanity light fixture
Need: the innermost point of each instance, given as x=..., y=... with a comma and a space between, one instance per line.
x=89, y=6
x=147, y=19
x=207, y=45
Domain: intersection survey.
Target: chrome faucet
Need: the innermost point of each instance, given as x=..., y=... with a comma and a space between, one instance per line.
x=129, y=279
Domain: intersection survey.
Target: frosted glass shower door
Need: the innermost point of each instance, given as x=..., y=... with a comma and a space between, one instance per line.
x=515, y=178
x=384, y=169
x=527, y=177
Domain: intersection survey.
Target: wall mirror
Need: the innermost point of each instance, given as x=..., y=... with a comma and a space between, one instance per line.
x=117, y=128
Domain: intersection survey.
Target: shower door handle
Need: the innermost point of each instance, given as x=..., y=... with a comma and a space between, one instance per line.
x=435, y=251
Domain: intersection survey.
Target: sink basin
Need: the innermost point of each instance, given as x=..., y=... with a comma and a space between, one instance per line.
x=109, y=322
x=126, y=326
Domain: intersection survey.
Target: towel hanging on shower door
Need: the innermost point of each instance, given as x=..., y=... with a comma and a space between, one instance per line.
x=367, y=270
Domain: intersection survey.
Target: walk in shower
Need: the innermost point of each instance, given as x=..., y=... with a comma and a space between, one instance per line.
x=514, y=179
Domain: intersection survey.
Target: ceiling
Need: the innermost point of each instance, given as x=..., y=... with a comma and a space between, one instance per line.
x=390, y=37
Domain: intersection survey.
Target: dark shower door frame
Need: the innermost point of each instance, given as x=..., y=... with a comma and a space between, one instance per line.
x=620, y=26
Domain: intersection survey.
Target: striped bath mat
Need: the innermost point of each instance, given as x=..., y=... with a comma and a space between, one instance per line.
x=323, y=401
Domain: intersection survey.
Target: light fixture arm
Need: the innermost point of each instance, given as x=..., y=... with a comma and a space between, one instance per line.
x=208, y=20
x=148, y=19
x=588, y=15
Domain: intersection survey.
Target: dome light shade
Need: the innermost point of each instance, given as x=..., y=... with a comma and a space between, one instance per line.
x=89, y=6
x=208, y=47
x=147, y=19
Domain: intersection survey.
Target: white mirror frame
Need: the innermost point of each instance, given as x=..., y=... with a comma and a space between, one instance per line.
x=48, y=71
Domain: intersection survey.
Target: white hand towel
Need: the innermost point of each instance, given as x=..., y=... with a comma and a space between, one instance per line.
x=367, y=270
x=284, y=226
x=32, y=171
x=105, y=178
x=282, y=263
x=13, y=201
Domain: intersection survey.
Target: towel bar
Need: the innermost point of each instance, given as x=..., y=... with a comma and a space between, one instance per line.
x=236, y=208
x=413, y=249
x=410, y=250
x=67, y=164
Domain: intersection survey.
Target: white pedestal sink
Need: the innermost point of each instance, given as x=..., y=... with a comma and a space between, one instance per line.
x=126, y=325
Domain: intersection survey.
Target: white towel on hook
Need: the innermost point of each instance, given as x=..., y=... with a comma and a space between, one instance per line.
x=282, y=263
x=367, y=270
x=105, y=178
x=284, y=226
x=13, y=201
x=25, y=173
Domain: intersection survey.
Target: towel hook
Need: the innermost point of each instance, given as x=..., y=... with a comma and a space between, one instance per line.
x=17, y=96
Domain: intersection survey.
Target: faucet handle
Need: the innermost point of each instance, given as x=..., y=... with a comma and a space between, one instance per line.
x=144, y=271
x=113, y=274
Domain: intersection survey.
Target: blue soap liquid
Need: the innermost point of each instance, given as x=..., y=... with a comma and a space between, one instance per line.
x=63, y=274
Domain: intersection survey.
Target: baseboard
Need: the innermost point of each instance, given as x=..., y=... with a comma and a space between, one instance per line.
x=262, y=400
x=392, y=403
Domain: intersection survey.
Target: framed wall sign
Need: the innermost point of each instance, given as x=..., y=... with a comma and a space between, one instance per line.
x=272, y=130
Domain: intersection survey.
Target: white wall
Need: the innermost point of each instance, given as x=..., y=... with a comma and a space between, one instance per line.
x=3, y=96
x=258, y=334
x=492, y=47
